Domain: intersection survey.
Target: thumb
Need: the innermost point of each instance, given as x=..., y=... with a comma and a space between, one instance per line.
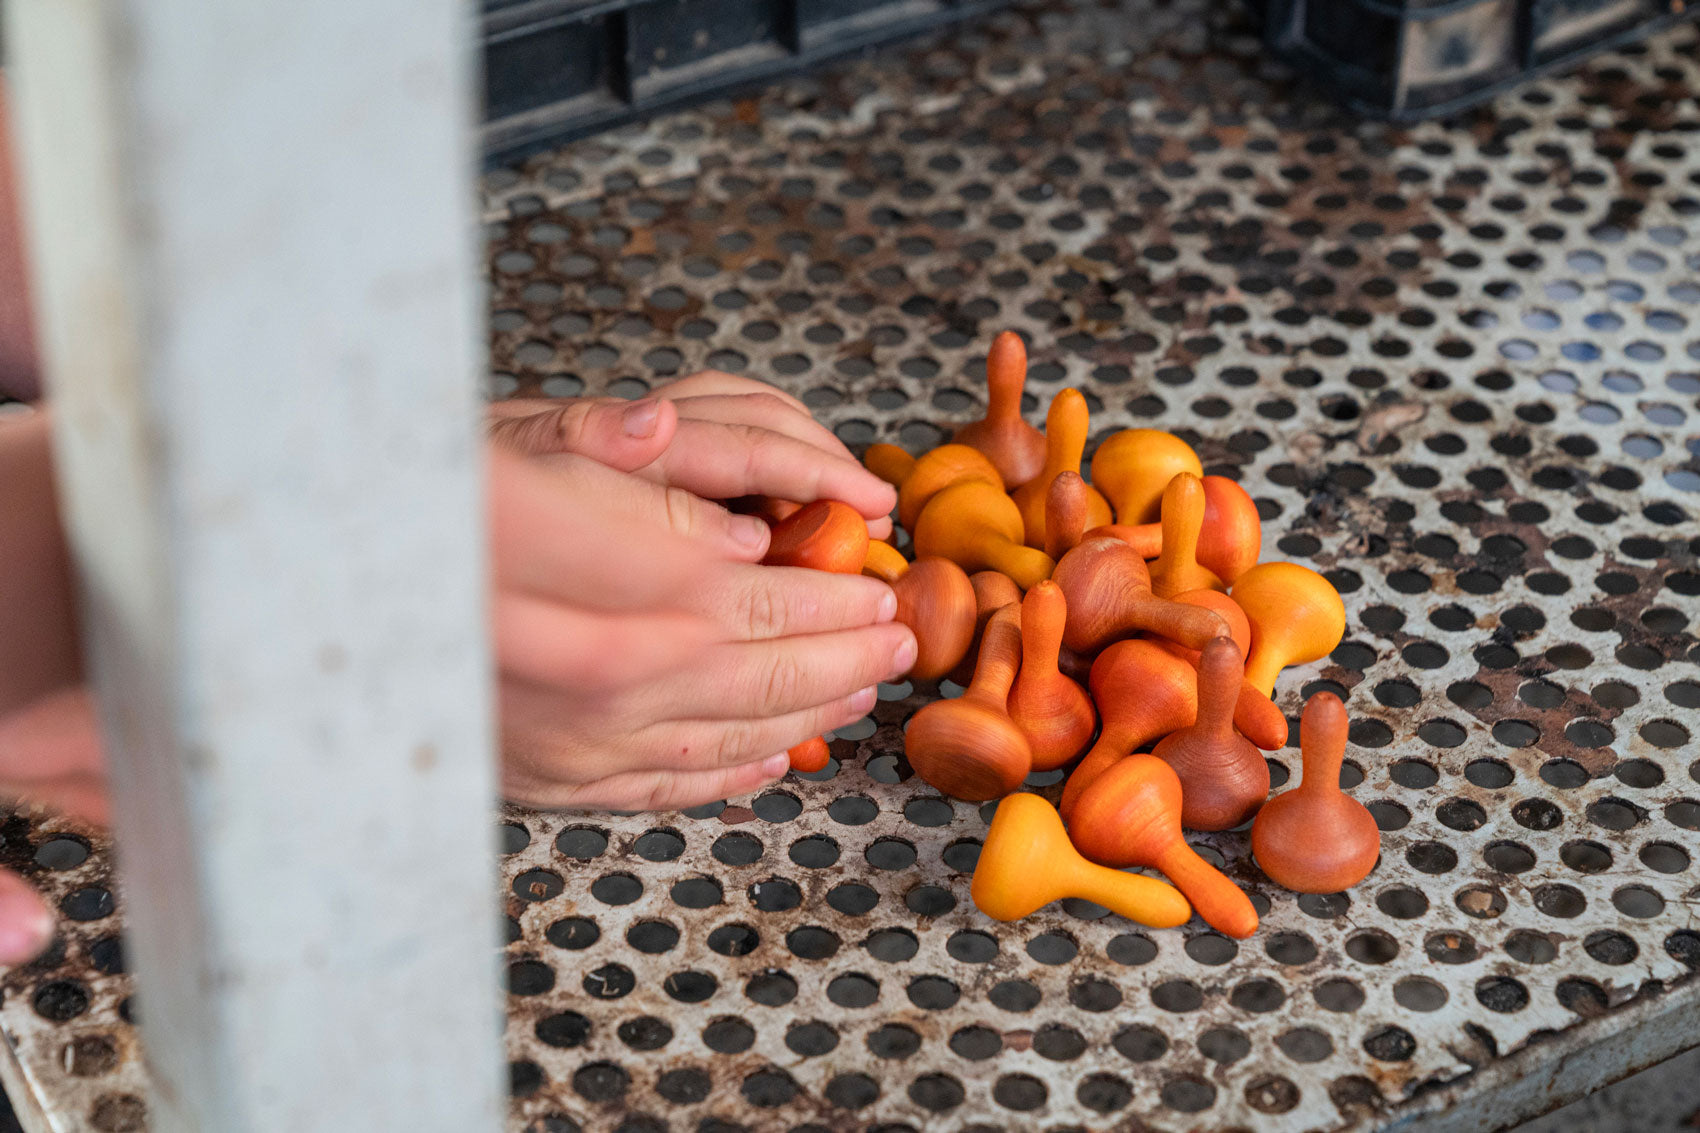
x=26, y=926
x=620, y=434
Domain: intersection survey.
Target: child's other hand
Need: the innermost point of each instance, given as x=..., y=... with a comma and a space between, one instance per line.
x=712, y=434
x=647, y=661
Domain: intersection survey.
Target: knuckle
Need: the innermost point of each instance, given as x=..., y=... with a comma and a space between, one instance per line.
x=738, y=742
x=764, y=610
x=681, y=511
x=780, y=686
x=567, y=430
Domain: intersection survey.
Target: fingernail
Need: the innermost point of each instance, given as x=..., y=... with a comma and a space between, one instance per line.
x=903, y=658
x=863, y=700
x=749, y=532
x=888, y=606
x=776, y=765
x=638, y=419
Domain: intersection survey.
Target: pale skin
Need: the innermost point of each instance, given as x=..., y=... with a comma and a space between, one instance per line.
x=664, y=669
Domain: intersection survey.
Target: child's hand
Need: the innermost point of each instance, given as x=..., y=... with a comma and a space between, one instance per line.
x=646, y=660
x=50, y=756
x=712, y=434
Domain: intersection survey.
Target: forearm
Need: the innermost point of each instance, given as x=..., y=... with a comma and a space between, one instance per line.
x=39, y=647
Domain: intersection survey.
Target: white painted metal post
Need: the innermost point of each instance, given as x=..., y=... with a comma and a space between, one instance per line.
x=253, y=239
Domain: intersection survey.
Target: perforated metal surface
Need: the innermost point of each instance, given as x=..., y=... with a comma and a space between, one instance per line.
x=1457, y=366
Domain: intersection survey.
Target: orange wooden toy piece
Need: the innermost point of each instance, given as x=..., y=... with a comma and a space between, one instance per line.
x=977, y=527
x=1177, y=569
x=1027, y=862
x=969, y=747
x=1109, y=596
x=1316, y=838
x=889, y=463
x=1131, y=815
x=936, y=600
x=1143, y=693
x=771, y=510
x=1232, y=537
x=826, y=535
x=992, y=592
x=937, y=470
x=884, y=562
x=1065, y=513
x=1053, y=712
x=1133, y=467
x=1296, y=616
x=1229, y=542
x=1225, y=608
x=810, y=755
x=1224, y=779
x=1255, y=715
x=1014, y=446
x=1065, y=440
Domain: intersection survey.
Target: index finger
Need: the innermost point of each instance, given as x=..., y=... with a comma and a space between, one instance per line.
x=725, y=461
x=768, y=411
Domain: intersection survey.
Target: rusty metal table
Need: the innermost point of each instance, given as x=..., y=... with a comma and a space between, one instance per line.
x=1458, y=366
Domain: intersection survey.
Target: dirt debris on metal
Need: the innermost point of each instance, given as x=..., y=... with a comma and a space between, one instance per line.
x=1457, y=365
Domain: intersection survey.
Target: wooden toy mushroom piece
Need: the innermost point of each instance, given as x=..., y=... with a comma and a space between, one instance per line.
x=1133, y=467
x=884, y=562
x=889, y=463
x=992, y=592
x=1053, y=712
x=1255, y=715
x=1065, y=513
x=1027, y=862
x=1016, y=448
x=1065, y=440
x=810, y=755
x=1316, y=838
x=1224, y=778
x=936, y=601
x=1109, y=596
x=977, y=527
x=1177, y=569
x=969, y=748
x=1143, y=693
x=1131, y=815
x=1296, y=616
x=825, y=535
x=1229, y=542
x=934, y=472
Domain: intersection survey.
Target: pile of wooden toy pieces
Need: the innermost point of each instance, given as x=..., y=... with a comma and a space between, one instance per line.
x=1144, y=585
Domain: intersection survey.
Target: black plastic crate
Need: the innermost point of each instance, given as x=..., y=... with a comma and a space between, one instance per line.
x=1406, y=61
x=559, y=69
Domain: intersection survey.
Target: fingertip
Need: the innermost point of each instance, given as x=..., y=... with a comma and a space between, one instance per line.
x=638, y=420
x=627, y=435
x=666, y=421
x=882, y=497
x=774, y=766
x=904, y=653
x=750, y=535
